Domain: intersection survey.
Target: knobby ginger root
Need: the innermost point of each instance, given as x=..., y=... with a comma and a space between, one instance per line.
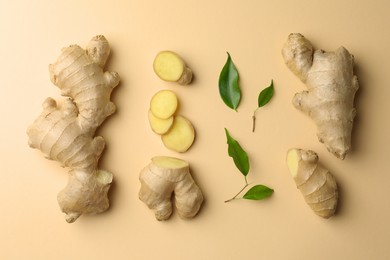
x=169, y=66
x=163, y=177
x=331, y=90
x=317, y=184
x=65, y=131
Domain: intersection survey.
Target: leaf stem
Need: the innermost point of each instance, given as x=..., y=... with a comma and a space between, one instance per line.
x=254, y=120
x=246, y=185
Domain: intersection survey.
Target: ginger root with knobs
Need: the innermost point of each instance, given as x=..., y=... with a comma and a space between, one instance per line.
x=65, y=130
x=331, y=85
x=163, y=177
x=317, y=184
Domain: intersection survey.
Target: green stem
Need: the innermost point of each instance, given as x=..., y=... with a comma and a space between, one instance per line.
x=246, y=185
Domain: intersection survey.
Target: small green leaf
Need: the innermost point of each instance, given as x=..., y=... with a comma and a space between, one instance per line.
x=229, y=90
x=240, y=157
x=266, y=95
x=258, y=192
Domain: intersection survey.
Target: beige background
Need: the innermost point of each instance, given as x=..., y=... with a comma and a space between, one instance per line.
x=282, y=227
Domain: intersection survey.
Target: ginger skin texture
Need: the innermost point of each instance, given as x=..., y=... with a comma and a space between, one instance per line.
x=65, y=130
x=331, y=85
x=317, y=184
x=163, y=177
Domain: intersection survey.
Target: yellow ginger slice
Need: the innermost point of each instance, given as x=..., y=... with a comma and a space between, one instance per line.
x=164, y=104
x=169, y=66
x=181, y=135
x=158, y=125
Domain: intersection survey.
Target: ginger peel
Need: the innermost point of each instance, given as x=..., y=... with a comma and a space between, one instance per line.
x=163, y=177
x=331, y=85
x=65, y=130
x=317, y=184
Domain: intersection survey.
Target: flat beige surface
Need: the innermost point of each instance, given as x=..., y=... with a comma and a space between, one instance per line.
x=282, y=227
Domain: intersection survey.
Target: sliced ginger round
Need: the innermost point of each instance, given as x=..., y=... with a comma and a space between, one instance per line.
x=168, y=66
x=181, y=135
x=158, y=125
x=164, y=104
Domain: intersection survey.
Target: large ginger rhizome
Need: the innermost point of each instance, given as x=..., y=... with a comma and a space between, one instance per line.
x=65, y=130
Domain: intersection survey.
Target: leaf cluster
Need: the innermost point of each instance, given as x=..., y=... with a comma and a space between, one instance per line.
x=241, y=160
x=230, y=93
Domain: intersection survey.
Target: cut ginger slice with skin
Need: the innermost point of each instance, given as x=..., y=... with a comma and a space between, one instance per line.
x=169, y=66
x=181, y=135
x=164, y=104
x=158, y=125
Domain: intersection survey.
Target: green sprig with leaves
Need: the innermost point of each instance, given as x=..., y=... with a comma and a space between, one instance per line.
x=263, y=98
x=241, y=160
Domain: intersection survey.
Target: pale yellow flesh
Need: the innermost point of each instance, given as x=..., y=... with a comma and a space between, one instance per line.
x=164, y=104
x=181, y=136
x=292, y=162
x=169, y=162
x=168, y=66
x=158, y=125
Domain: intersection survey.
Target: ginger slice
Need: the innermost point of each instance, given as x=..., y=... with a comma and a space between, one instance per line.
x=181, y=135
x=158, y=125
x=164, y=104
x=169, y=66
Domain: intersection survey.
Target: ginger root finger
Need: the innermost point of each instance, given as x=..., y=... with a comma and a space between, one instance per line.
x=169, y=66
x=331, y=85
x=65, y=130
x=317, y=184
x=163, y=177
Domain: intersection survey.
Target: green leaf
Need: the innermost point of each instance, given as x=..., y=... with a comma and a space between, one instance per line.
x=266, y=95
x=258, y=192
x=240, y=157
x=229, y=90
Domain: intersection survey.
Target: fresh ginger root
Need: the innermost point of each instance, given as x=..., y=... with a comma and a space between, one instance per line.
x=163, y=177
x=65, y=130
x=169, y=66
x=331, y=90
x=317, y=184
